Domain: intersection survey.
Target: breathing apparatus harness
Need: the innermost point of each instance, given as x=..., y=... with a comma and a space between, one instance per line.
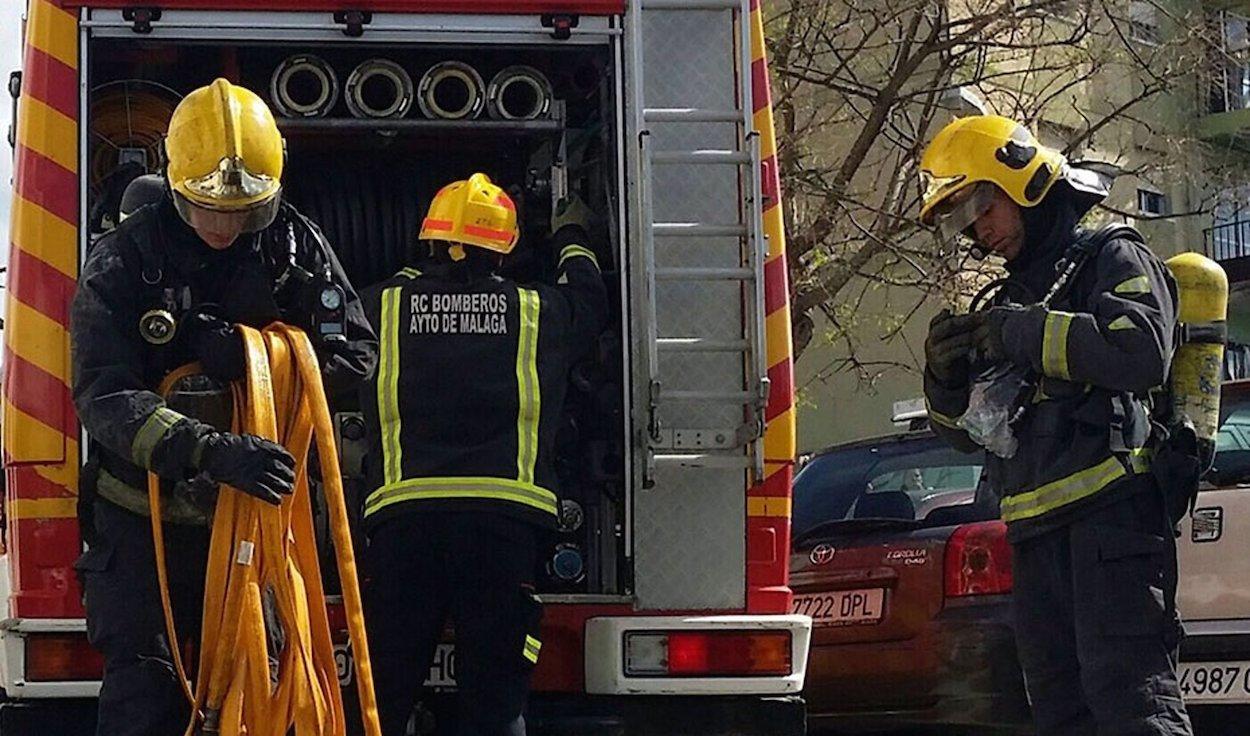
x=1001, y=385
x=1180, y=456
x=284, y=247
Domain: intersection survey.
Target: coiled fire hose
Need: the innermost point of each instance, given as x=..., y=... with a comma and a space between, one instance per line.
x=378, y=88
x=304, y=86
x=451, y=90
x=519, y=93
x=128, y=122
x=263, y=560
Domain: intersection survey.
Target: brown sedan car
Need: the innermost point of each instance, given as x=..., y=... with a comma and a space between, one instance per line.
x=906, y=573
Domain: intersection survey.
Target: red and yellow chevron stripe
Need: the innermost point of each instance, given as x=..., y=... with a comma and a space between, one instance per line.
x=40, y=432
x=768, y=502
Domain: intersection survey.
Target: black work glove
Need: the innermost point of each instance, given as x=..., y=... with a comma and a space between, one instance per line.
x=989, y=333
x=951, y=338
x=249, y=463
x=217, y=345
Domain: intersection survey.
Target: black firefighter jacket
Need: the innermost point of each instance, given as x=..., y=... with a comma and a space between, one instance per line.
x=155, y=261
x=1098, y=352
x=472, y=374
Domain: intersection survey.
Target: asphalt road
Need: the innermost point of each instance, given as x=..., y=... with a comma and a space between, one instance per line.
x=1207, y=722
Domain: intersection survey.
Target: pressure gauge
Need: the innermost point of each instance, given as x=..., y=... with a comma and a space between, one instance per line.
x=331, y=298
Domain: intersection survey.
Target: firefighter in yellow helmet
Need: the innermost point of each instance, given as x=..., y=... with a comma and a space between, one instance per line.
x=1080, y=334
x=165, y=288
x=461, y=419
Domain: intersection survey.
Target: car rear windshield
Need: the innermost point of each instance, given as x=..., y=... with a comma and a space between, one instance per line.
x=914, y=478
x=1232, y=444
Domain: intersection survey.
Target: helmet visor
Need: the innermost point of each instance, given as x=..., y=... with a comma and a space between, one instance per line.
x=955, y=214
x=249, y=220
x=231, y=182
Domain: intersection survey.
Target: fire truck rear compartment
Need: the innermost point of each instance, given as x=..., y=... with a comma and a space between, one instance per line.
x=367, y=182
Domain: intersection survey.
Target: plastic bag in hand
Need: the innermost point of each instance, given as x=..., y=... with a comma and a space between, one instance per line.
x=992, y=406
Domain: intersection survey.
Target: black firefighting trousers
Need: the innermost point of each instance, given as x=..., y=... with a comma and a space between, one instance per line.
x=1096, y=623
x=140, y=695
x=477, y=569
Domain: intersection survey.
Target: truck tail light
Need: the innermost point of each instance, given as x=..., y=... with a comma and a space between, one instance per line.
x=707, y=653
x=61, y=658
x=978, y=560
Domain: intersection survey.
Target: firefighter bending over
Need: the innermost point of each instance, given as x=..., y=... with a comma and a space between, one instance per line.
x=162, y=290
x=1091, y=330
x=462, y=417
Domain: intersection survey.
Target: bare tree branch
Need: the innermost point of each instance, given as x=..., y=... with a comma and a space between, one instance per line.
x=861, y=88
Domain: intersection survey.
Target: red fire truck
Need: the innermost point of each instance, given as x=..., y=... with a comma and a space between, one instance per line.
x=666, y=592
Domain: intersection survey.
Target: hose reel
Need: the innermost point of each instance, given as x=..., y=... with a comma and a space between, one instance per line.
x=304, y=86
x=128, y=122
x=451, y=90
x=379, y=88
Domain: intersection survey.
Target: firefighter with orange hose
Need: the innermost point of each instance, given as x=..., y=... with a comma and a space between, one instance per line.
x=164, y=289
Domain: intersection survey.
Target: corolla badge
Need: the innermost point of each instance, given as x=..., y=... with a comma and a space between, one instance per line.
x=907, y=556
x=822, y=554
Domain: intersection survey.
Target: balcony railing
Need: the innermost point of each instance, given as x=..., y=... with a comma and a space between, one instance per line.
x=1228, y=241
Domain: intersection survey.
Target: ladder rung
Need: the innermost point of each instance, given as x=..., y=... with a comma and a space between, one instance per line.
x=701, y=345
x=729, y=397
x=699, y=439
x=707, y=157
x=702, y=460
x=690, y=115
x=704, y=274
x=697, y=230
x=691, y=4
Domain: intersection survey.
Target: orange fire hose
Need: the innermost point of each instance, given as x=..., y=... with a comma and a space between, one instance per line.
x=260, y=552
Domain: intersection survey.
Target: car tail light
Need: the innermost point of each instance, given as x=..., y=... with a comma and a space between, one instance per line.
x=707, y=653
x=61, y=657
x=978, y=560
x=337, y=615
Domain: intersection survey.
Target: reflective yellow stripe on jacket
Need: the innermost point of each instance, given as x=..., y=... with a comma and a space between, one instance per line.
x=1055, y=344
x=531, y=649
x=573, y=251
x=388, y=386
x=428, y=489
x=939, y=418
x=1081, y=484
x=1133, y=286
x=529, y=393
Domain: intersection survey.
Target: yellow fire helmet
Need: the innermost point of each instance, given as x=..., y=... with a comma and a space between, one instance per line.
x=225, y=159
x=985, y=149
x=474, y=211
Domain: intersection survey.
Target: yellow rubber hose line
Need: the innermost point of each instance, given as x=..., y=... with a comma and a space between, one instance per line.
x=264, y=557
